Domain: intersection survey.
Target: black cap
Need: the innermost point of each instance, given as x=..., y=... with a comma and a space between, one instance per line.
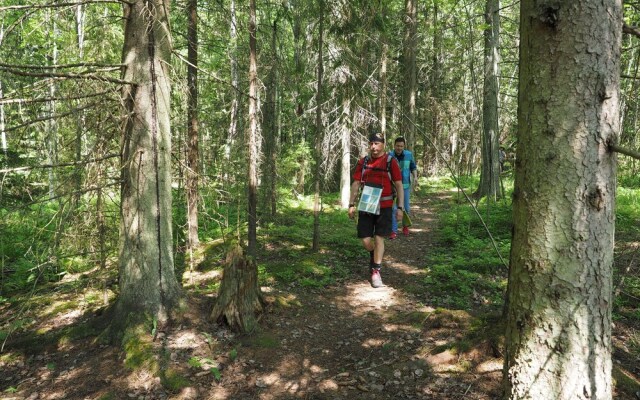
x=376, y=137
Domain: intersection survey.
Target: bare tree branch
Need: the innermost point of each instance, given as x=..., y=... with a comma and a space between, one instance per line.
x=626, y=152
x=69, y=164
x=50, y=117
x=57, y=5
x=631, y=30
x=62, y=66
x=89, y=76
x=7, y=100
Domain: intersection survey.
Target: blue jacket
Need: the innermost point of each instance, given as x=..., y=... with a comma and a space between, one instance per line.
x=407, y=166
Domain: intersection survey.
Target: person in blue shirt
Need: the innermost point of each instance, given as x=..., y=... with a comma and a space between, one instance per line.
x=409, y=179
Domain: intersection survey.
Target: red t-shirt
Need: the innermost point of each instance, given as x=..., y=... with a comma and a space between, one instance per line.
x=376, y=172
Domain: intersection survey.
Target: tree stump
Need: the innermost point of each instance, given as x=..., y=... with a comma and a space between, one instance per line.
x=239, y=299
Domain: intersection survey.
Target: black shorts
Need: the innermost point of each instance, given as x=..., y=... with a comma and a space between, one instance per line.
x=370, y=225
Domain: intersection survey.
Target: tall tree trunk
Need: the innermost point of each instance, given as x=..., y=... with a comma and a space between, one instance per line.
x=52, y=126
x=239, y=299
x=490, y=173
x=558, y=339
x=252, y=138
x=271, y=128
x=147, y=280
x=384, y=81
x=191, y=184
x=232, y=133
x=3, y=133
x=431, y=160
x=81, y=124
x=345, y=147
x=317, y=155
x=409, y=87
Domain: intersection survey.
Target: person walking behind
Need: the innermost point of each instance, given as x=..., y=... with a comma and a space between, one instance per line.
x=409, y=181
x=376, y=174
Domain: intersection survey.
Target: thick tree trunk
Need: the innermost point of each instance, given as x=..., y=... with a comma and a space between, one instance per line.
x=252, y=141
x=490, y=173
x=147, y=280
x=191, y=184
x=558, y=340
x=271, y=132
x=317, y=156
x=232, y=133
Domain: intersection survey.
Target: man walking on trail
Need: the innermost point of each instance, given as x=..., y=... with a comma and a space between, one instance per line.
x=409, y=181
x=377, y=174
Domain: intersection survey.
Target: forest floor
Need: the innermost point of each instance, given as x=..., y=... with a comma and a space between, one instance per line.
x=345, y=341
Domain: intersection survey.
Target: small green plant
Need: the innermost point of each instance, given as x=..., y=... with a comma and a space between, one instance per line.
x=194, y=362
x=216, y=373
x=11, y=389
x=233, y=354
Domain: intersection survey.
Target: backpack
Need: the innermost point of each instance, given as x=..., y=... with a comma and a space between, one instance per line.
x=393, y=187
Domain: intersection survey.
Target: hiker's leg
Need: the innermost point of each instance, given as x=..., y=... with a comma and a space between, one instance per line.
x=378, y=253
x=368, y=244
x=407, y=203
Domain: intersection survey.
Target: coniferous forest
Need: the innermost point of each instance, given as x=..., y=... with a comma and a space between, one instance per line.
x=175, y=178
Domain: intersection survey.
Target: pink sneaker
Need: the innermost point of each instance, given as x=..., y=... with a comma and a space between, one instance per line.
x=393, y=236
x=405, y=230
x=376, y=279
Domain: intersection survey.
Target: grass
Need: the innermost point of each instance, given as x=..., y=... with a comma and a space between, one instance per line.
x=462, y=272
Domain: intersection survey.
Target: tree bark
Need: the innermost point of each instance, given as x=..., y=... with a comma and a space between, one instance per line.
x=147, y=280
x=52, y=125
x=409, y=88
x=239, y=300
x=558, y=339
x=191, y=184
x=490, y=173
x=232, y=133
x=271, y=129
x=318, y=138
x=252, y=173
x=345, y=148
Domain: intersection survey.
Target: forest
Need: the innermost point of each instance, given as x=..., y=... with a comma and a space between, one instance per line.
x=175, y=178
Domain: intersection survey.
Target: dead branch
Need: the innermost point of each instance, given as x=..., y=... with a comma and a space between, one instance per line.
x=6, y=100
x=69, y=75
x=63, y=66
x=50, y=117
x=631, y=30
x=58, y=5
x=626, y=152
x=69, y=164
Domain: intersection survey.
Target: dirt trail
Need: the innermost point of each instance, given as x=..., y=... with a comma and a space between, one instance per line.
x=352, y=341
x=348, y=341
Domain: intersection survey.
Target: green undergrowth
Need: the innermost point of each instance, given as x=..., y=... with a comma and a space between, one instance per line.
x=626, y=272
x=463, y=268
x=288, y=257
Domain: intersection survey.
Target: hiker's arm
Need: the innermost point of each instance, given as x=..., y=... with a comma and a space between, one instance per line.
x=355, y=186
x=400, y=192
